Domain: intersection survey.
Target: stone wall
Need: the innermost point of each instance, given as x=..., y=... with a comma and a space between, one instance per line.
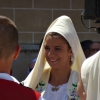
x=33, y=17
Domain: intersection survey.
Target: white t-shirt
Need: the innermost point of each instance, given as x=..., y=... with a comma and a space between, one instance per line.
x=58, y=94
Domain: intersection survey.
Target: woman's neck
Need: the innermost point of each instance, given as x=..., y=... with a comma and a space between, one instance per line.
x=59, y=77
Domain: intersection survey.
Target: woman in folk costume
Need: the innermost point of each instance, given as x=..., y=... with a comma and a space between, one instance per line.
x=90, y=76
x=60, y=55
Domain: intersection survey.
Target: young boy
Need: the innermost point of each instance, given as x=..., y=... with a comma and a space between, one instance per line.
x=10, y=89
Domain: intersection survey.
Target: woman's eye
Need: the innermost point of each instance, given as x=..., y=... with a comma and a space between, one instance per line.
x=46, y=48
x=57, y=48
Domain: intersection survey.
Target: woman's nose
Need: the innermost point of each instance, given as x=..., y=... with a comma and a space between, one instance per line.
x=51, y=53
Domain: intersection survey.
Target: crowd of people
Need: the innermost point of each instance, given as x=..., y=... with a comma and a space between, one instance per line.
x=62, y=70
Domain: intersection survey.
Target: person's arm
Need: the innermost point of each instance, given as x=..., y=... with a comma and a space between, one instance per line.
x=81, y=90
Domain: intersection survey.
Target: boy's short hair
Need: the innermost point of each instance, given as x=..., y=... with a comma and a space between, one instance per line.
x=8, y=37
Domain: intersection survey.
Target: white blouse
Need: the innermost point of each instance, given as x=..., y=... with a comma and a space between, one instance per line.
x=56, y=94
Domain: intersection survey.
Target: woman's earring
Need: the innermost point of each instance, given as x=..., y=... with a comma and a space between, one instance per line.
x=72, y=58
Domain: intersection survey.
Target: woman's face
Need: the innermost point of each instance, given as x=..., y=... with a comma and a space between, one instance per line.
x=57, y=52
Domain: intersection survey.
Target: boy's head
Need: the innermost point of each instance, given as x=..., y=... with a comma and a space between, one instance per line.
x=8, y=37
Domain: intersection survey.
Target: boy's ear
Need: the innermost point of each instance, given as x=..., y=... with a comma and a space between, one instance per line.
x=17, y=52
